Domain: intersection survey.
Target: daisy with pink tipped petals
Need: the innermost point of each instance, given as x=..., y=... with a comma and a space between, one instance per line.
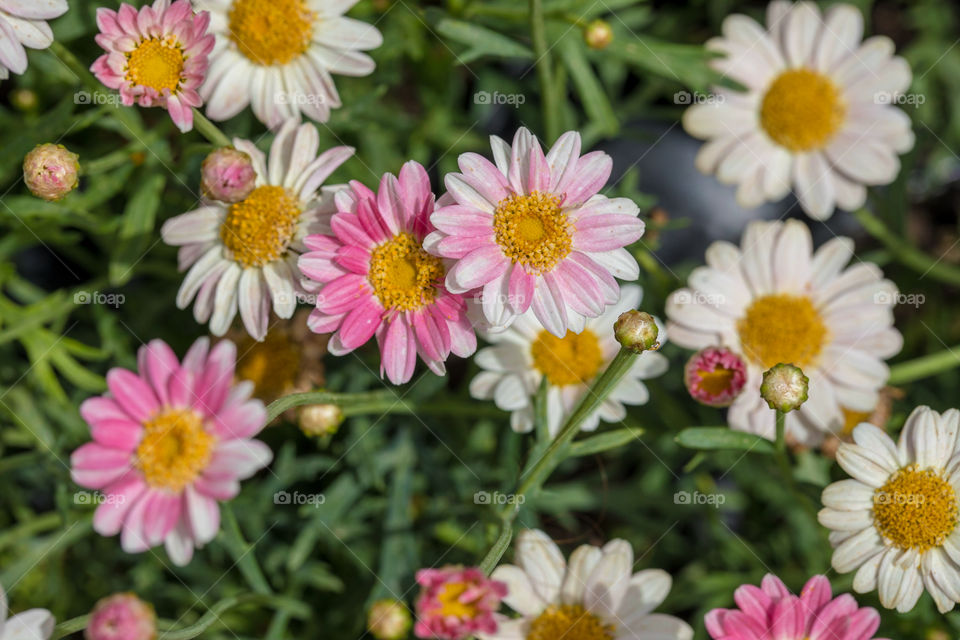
x=457, y=602
x=531, y=231
x=169, y=443
x=23, y=25
x=374, y=278
x=156, y=56
x=771, y=611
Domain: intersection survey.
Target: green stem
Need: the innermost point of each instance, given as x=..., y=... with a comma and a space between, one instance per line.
x=343, y=400
x=907, y=254
x=786, y=468
x=548, y=97
x=781, y=421
x=242, y=553
x=209, y=130
x=924, y=367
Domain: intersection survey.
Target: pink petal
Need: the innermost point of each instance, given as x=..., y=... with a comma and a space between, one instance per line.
x=159, y=363
x=94, y=466
x=161, y=516
x=238, y=459
x=607, y=232
x=133, y=394
x=242, y=421
x=477, y=268
x=360, y=324
x=398, y=352
x=592, y=172
x=203, y=515
x=120, y=498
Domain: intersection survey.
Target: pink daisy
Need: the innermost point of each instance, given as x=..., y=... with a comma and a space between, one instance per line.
x=771, y=611
x=457, y=602
x=532, y=231
x=157, y=56
x=168, y=444
x=375, y=278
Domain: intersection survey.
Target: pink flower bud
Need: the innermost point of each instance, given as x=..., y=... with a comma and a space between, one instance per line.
x=457, y=602
x=227, y=175
x=50, y=171
x=122, y=616
x=715, y=376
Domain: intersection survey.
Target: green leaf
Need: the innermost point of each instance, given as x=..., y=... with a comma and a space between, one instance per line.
x=682, y=63
x=136, y=229
x=588, y=86
x=722, y=438
x=481, y=41
x=605, y=442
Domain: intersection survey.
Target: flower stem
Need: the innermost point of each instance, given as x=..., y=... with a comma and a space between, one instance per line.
x=781, y=421
x=924, y=367
x=907, y=254
x=209, y=130
x=548, y=96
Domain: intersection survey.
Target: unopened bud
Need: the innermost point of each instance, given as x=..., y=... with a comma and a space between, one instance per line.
x=598, y=34
x=784, y=387
x=24, y=99
x=122, y=616
x=320, y=419
x=50, y=171
x=715, y=376
x=636, y=331
x=388, y=620
x=227, y=175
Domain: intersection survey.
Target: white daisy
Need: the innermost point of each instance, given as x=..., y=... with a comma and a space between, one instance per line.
x=896, y=521
x=526, y=352
x=278, y=57
x=23, y=24
x=244, y=255
x=816, y=113
x=34, y=624
x=594, y=597
x=775, y=300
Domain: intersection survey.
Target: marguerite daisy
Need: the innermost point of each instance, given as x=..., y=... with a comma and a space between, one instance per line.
x=895, y=522
x=244, y=255
x=526, y=353
x=817, y=112
x=278, y=57
x=774, y=300
x=594, y=597
x=33, y=624
x=156, y=56
x=532, y=232
x=374, y=278
x=23, y=24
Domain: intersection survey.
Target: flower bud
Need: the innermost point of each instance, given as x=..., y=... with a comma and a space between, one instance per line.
x=636, y=331
x=122, y=616
x=598, y=34
x=24, y=99
x=715, y=376
x=388, y=620
x=50, y=171
x=320, y=419
x=457, y=602
x=227, y=175
x=784, y=387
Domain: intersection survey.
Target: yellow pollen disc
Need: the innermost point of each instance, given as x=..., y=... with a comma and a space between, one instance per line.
x=156, y=64
x=569, y=622
x=449, y=603
x=915, y=509
x=802, y=110
x=782, y=328
x=853, y=418
x=271, y=32
x=404, y=276
x=532, y=230
x=258, y=230
x=175, y=448
x=717, y=381
x=272, y=365
x=573, y=359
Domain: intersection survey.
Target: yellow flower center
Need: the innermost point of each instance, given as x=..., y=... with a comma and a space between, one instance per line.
x=259, y=229
x=573, y=359
x=272, y=365
x=915, y=509
x=404, y=276
x=782, y=328
x=270, y=32
x=450, y=604
x=532, y=230
x=717, y=381
x=157, y=64
x=174, y=450
x=569, y=622
x=802, y=110
x=853, y=418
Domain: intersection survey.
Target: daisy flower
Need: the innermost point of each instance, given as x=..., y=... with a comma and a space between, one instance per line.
x=374, y=278
x=594, y=597
x=34, y=624
x=526, y=353
x=456, y=602
x=816, y=113
x=895, y=522
x=531, y=232
x=23, y=24
x=771, y=611
x=244, y=255
x=168, y=444
x=278, y=57
x=156, y=56
x=775, y=300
